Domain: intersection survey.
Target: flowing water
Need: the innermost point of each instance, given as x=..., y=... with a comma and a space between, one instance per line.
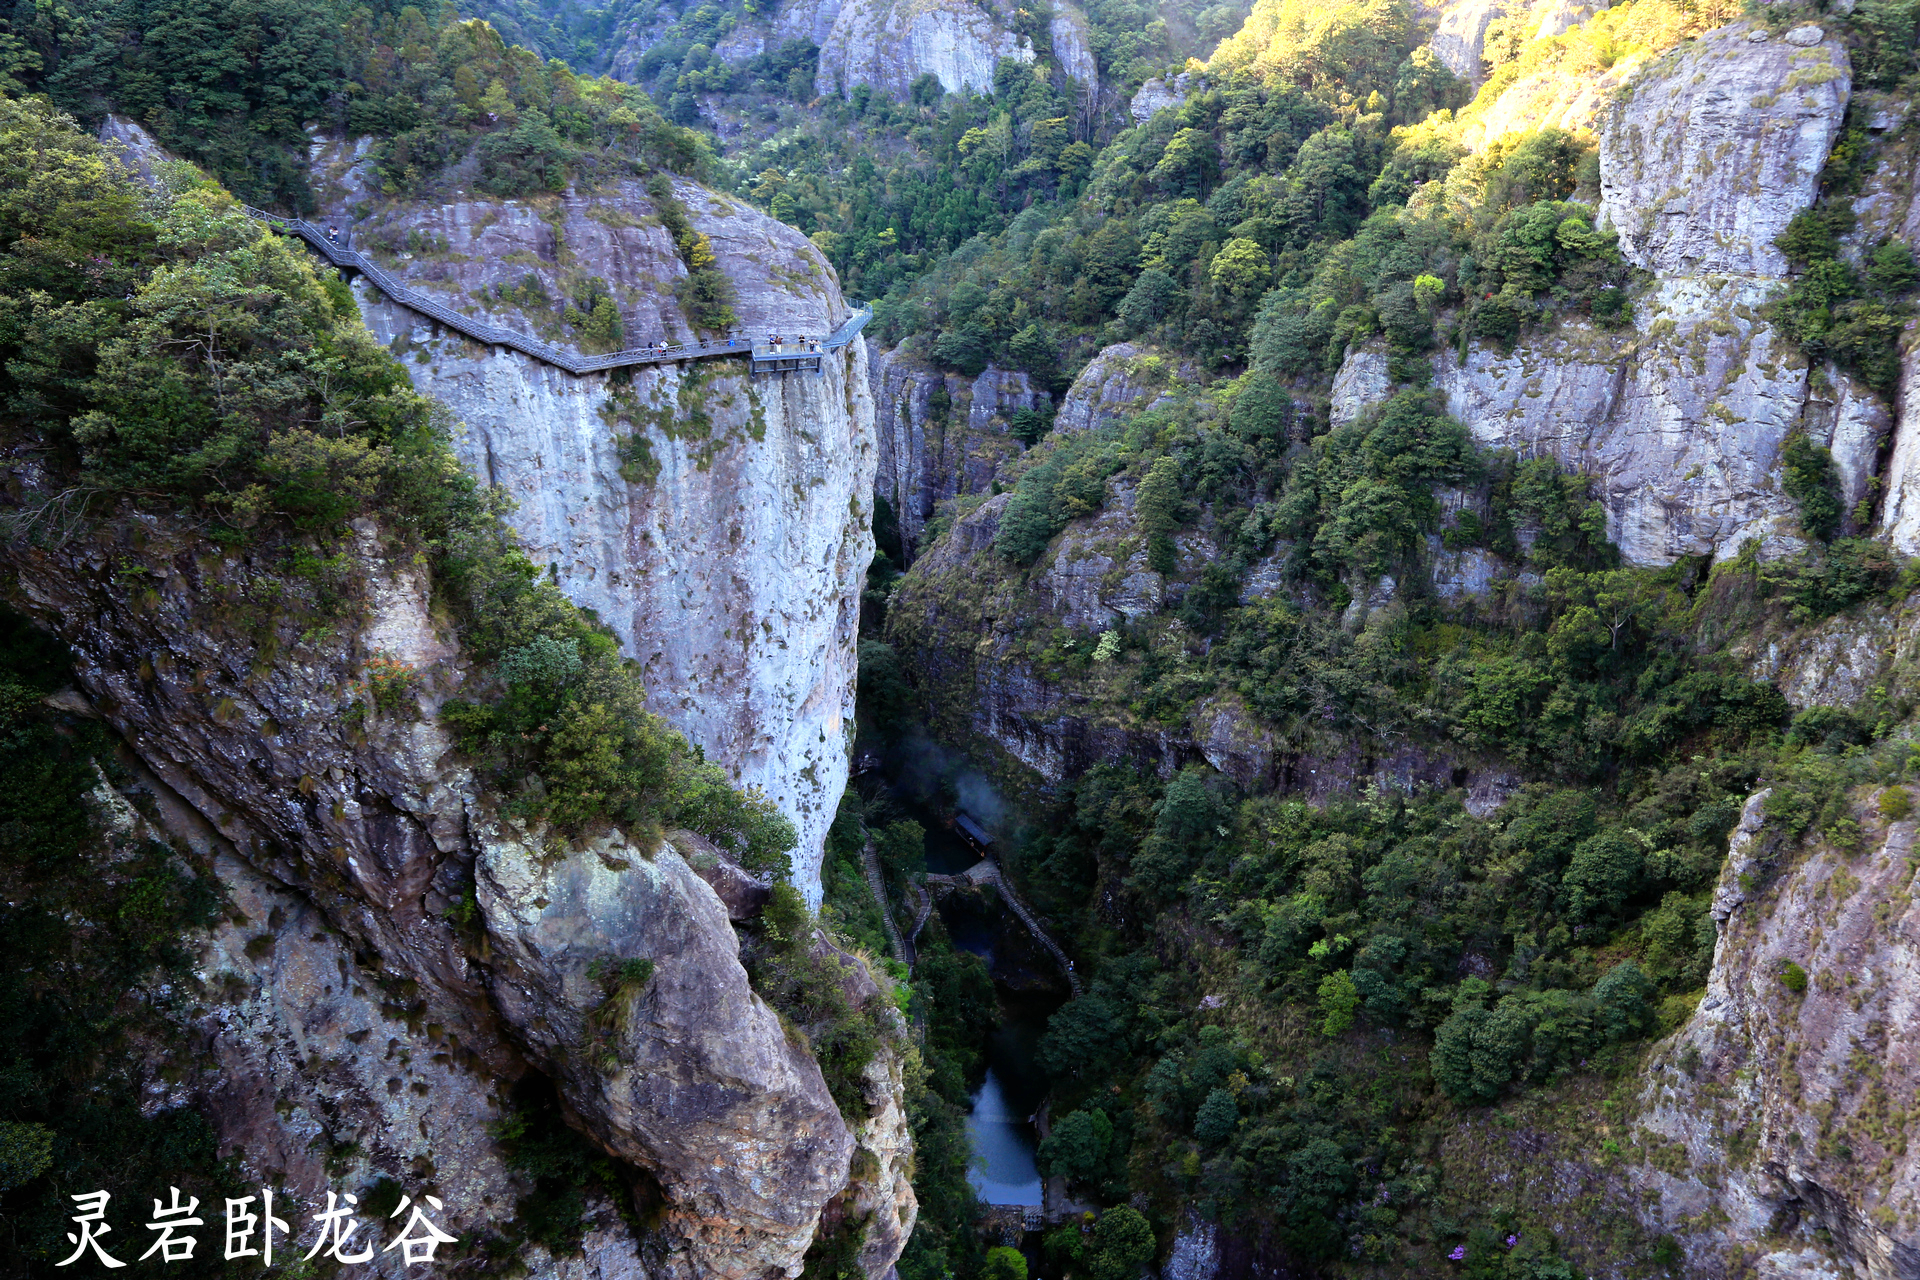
x=1000, y=1127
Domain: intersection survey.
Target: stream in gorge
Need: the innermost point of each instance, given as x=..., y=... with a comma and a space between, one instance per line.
x=1000, y=1127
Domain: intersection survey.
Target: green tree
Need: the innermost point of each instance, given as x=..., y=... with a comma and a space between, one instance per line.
x=1604, y=870
x=1189, y=165
x=1154, y=297
x=1078, y=1147
x=1122, y=1243
x=1806, y=473
x=1624, y=996
x=26, y=1152
x=1263, y=411
x=1242, y=272
x=1033, y=351
x=1339, y=1000
x=1004, y=1263
x=1217, y=1117
x=1156, y=509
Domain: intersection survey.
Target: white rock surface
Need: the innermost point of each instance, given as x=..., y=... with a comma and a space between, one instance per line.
x=1711, y=150
x=1705, y=157
x=1072, y=47
x=733, y=575
x=1157, y=94
x=1361, y=381
x=1460, y=32
x=1773, y=1106
x=932, y=449
x=888, y=44
x=1900, y=511
x=1123, y=379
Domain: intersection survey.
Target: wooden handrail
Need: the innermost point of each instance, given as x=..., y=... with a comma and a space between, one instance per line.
x=342, y=256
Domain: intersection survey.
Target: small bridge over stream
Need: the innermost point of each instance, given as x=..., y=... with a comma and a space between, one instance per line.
x=764, y=357
x=987, y=871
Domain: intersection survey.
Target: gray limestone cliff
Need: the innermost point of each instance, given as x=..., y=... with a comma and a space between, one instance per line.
x=888, y=44
x=1121, y=380
x=396, y=954
x=1705, y=156
x=968, y=619
x=719, y=523
x=1780, y=1108
x=941, y=434
x=1889, y=205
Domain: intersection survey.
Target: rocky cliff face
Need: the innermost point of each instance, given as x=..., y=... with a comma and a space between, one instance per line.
x=941, y=435
x=720, y=524
x=969, y=621
x=1781, y=1108
x=1705, y=157
x=1889, y=205
x=944, y=435
x=352, y=1008
x=1123, y=379
x=888, y=44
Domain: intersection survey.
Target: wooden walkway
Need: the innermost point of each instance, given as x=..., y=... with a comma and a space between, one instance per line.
x=765, y=357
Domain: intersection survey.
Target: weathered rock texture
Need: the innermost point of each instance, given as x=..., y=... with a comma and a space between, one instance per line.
x=698, y=1077
x=343, y=830
x=888, y=44
x=1779, y=1109
x=1460, y=32
x=941, y=435
x=1889, y=206
x=1716, y=146
x=731, y=565
x=1122, y=380
x=1157, y=94
x=969, y=620
x=1705, y=157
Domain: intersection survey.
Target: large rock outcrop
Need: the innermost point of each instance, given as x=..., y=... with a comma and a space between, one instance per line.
x=1714, y=148
x=719, y=523
x=1705, y=157
x=941, y=435
x=1889, y=206
x=352, y=839
x=968, y=618
x=1779, y=1107
x=888, y=44
x=1122, y=379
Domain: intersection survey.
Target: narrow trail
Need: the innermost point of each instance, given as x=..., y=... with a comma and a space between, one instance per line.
x=920, y=915
x=766, y=357
x=987, y=871
x=877, y=883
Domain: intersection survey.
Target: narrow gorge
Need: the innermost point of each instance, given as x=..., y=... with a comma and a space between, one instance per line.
x=1327, y=688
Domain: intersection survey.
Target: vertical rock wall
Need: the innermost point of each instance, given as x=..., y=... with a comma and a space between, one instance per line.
x=346, y=836
x=941, y=435
x=1705, y=155
x=1791, y=1103
x=728, y=552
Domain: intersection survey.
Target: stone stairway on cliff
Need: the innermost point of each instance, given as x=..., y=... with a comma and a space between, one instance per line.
x=765, y=357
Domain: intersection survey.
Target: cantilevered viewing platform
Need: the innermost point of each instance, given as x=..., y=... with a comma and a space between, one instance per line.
x=790, y=355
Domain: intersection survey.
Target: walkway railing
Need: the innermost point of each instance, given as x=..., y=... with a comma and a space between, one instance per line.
x=764, y=357
x=987, y=871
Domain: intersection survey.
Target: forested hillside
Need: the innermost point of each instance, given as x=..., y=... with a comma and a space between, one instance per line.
x=1438, y=625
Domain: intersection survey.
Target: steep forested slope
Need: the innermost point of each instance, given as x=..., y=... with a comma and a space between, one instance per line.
x=1389, y=761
